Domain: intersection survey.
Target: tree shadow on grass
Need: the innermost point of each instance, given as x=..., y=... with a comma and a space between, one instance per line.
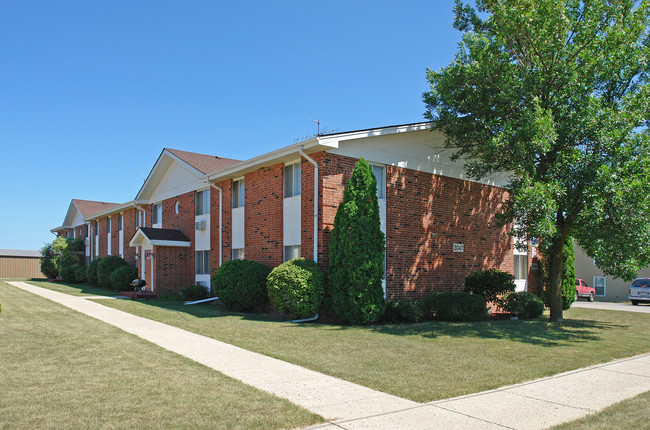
x=535, y=332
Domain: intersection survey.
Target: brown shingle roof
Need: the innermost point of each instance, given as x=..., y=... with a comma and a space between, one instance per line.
x=90, y=207
x=202, y=162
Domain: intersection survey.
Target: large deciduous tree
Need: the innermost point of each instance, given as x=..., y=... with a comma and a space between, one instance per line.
x=555, y=94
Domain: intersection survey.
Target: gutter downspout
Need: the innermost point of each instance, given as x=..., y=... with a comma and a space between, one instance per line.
x=220, y=219
x=315, y=164
x=308, y=158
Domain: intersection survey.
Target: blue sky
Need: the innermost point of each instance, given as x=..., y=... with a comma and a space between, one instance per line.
x=91, y=92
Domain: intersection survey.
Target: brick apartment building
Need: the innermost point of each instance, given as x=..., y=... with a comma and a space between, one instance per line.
x=195, y=211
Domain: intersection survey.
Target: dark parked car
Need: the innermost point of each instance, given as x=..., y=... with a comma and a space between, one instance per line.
x=640, y=291
x=583, y=290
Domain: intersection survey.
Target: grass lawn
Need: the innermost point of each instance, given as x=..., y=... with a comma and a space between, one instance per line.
x=62, y=369
x=75, y=289
x=628, y=414
x=422, y=362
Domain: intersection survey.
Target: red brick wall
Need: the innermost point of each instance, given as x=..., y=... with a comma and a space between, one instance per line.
x=129, y=231
x=426, y=215
x=184, y=221
x=307, y=209
x=103, y=242
x=115, y=234
x=173, y=269
x=263, y=215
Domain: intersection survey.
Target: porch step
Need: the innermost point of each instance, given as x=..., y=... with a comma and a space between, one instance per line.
x=138, y=294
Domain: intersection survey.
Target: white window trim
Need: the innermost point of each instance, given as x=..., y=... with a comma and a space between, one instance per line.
x=604, y=285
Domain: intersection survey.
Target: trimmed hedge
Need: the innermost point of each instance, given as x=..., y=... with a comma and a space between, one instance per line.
x=122, y=277
x=106, y=267
x=80, y=274
x=241, y=284
x=456, y=306
x=91, y=271
x=194, y=292
x=68, y=274
x=524, y=305
x=296, y=287
x=490, y=283
x=403, y=311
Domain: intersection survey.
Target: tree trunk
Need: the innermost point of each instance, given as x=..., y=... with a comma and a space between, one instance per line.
x=555, y=279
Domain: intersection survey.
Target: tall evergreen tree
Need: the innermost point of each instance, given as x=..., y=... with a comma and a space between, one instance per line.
x=357, y=252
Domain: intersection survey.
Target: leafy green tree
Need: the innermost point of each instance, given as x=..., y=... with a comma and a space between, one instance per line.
x=48, y=268
x=555, y=94
x=357, y=252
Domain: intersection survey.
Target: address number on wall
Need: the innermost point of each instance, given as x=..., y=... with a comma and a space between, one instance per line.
x=459, y=247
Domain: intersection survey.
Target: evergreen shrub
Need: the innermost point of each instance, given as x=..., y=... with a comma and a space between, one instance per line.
x=524, y=305
x=68, y=274
x=91, y=271
x=403, y=311
x=80, y=274
x=355, y=293
x=106, y=267
x=194, y=292
x=48, y=268
x=122, y=277
x=241, y=284
x=296, y=287
x=456, y=306
x=490, y=283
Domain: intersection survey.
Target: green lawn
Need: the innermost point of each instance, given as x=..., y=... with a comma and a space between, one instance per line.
x=628, y=414
x=422, y=362
x=75, y=289
x=62, y=369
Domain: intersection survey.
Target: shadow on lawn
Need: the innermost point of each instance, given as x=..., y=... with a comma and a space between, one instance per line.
x=535, y=332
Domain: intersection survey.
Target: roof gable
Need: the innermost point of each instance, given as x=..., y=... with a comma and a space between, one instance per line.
x=148, y=236
x=177, y=172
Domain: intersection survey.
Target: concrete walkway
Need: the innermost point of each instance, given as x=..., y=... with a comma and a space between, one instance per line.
x=534, y=405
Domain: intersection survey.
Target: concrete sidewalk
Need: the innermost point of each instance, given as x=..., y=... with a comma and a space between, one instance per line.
x=533, y=405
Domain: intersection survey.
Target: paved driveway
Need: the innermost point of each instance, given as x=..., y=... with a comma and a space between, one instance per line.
x=612, y=306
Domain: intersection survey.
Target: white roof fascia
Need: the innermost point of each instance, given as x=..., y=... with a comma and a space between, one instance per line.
x=382, y=131
x=158, y=165
x=140, y=239
x=315, y=144
x=114, y=209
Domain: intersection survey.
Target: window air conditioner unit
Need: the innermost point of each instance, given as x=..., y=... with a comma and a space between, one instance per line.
x=200, y=225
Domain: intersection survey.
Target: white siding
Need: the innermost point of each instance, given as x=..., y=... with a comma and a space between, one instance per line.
x=291, y=220
x=238, y=228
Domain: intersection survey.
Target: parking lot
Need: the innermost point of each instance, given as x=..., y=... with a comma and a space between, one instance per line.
x=612, y=306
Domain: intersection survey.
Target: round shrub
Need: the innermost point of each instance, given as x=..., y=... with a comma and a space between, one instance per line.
x=91, y=271
x=490, y=283
x=106, y=267
x=122, y=277
x=403, y=311
x=524, y=305
x=80, y=274
x=194, y=292
x=296, y=287
x=240, y=284
x=456, y=306
x=68, y=274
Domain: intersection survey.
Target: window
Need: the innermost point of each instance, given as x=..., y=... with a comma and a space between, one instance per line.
x=202, y=202
x=292, y=180
x=238, y=194
x=108, y=224
x=120, y=222
x=238, y=253
x=156, y=213
x=202, y=263
x=139, y=219
x=600, y=285
x=380, y=176
x=96, y=228
x=521, y=267
x=291, y=252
